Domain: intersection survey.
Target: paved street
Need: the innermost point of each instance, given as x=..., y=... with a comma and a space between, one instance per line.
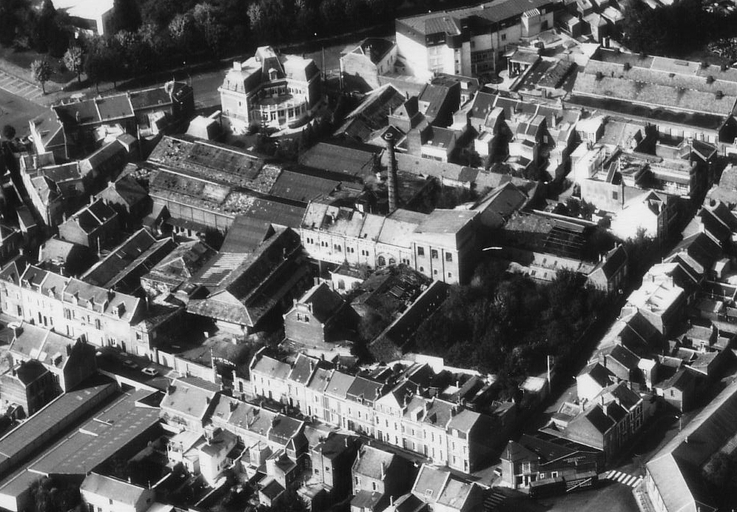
x=17, y=111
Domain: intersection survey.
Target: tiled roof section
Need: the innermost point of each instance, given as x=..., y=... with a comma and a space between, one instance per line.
x=464, y=420
x=339, y=384
x=140, y=247
x=320, y=380
x=112, y=154
x=48, y=347
x=213, y=162
x=325, y=302
x=284, y=429
x=248, y=292
x=440, y=413
x=93, y=216
x=246, y=234
x=182, y=263
x=373, y=462
x=303, y=368
x=302, y=187
x=430, y=483
x=347, y=160
x=599, y=373
x=113, y=489
x=676, y=468
x=127, y=189
x=676, y=86
x=273, y=367
x=364, y=390
x=449, y=22
x=190, y=396
x=375, y=108
x=446, y=221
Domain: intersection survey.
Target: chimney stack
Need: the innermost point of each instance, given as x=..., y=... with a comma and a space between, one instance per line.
x=392, y=171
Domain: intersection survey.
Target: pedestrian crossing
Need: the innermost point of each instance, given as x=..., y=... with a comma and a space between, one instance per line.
x=19, y=87
x=622, y=478
x=493, y=500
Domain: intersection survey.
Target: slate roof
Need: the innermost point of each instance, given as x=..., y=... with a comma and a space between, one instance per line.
x=676, y=468
x=339, y=384
x=248, y=292
x=116, y=490
x=132, y=259
x=430, y=483
x=450, y=22
x=190, y=396
x=373, y=462
x=182, y=263
x=348, y=160
x=325, y=302
x=599, y=373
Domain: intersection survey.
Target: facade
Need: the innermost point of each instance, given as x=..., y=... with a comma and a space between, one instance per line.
x=70, y=361
x=440, y=245
x=269, y=90
x=362, y=65
x=107, y=494
x=378, y=477
x=318, y=317
x=94, y=226
x=469, y=41
x=89, y=124
x=73, y=308
x=29, y=386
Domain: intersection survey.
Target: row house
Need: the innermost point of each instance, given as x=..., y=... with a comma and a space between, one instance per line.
x=606, y=423
x=444, y=431
x=73, y=308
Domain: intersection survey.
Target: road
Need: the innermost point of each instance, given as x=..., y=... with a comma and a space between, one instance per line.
x=17, y=111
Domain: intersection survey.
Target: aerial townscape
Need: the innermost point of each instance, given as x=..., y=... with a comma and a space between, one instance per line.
x=368, y=256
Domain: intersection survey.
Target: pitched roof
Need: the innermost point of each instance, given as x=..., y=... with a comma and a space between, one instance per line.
x=116, y=490
x=373, y=462
x=324, y=301
x=190, y=396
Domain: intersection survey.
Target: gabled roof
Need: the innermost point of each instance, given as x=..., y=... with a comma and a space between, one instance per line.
x=373, y=462
x=190, y=396
x=247, y=293
x=598, y=373
x=364, y=390
x=113, y=489
x=676, y=469
x=339, y=384
x=430, y=483
x=324, y=302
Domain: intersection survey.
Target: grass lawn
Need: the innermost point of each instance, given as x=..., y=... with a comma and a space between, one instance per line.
x=23, y=61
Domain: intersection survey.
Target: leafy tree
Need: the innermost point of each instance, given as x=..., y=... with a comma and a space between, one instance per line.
x=100, y=62
x=41, y=70
x=181, y=30
x=8, y=132
x=126, y=15
x=208, y=20
x=74, y=61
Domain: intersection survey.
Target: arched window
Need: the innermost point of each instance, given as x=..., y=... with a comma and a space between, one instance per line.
x=392, y=261
x=381, y=261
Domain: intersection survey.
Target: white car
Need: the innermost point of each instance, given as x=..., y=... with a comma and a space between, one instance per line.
x=150, y=371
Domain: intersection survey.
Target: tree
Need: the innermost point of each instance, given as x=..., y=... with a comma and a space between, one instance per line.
x=181, y=29
x=126, y=15
x=8, y=132
x=208, y=20
x=41, y=70
x=74, y=61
